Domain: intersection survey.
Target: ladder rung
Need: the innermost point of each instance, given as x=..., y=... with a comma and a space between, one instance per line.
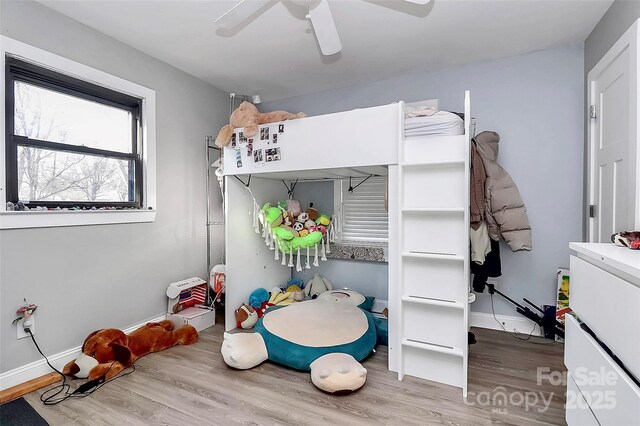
x=422, y=255
x=434, y=163
x=433, y=209
x=433, y=348
x=433, y=302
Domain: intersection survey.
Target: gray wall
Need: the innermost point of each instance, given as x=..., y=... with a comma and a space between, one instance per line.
x=535, y=102
x=85, y=278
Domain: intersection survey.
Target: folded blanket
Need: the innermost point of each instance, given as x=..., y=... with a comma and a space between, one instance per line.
x=440, y=123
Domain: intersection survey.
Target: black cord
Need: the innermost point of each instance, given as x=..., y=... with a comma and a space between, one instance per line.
x=290, y=190
x=352, y=188
x=47, y=396
x=515, y=332
x=240, y=180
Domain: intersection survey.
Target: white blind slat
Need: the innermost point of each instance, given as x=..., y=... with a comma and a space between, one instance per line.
x=364, y=217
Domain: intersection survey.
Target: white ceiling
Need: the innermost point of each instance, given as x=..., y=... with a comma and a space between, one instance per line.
x=275, y=54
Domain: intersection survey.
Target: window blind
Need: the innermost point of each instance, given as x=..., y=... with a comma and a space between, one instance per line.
x=364, y=218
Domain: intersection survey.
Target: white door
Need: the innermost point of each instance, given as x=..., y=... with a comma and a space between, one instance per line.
x=613, y=137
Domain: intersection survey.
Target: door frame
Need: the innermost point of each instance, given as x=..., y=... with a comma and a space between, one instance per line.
x=629, y=40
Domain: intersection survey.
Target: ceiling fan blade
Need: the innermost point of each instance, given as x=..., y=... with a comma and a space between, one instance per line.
x=238, y=13
x=420, y=2
x=325, y=28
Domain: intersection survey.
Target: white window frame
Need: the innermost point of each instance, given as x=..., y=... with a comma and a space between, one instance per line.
x=40, y=219
x=339, y=189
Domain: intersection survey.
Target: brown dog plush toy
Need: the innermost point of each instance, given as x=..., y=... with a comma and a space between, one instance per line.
x=248, y=117
x=108, y=351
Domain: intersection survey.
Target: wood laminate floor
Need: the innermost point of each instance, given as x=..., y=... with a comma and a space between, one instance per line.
x=193, y=386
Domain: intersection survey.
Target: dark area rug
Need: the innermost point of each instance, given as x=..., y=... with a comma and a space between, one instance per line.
x=19, y=413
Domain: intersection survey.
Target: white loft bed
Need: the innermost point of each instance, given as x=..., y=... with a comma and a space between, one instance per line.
x=428, y=223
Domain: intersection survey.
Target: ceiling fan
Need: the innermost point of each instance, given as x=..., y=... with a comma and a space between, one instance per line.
x=319, y=15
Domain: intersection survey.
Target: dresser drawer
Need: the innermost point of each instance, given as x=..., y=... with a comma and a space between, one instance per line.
x=578, y=412
x=610, y=306
x=612, y=396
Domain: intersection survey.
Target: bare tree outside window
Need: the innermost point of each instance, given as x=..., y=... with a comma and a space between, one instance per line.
x=49, y=175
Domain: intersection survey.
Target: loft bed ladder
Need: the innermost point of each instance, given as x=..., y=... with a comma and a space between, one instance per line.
x=433, y=256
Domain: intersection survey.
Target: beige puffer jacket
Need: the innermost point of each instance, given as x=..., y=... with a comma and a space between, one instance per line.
x=506, y=214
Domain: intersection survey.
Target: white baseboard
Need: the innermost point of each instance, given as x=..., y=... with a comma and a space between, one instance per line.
x=521, y=324
x=484, y=320
x=40, y=368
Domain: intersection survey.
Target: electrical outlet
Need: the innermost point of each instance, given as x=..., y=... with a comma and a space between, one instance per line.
x=20, y=329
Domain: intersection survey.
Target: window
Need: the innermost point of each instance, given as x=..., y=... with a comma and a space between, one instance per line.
x=73, y=136
x=69, y=142
x=364, y=216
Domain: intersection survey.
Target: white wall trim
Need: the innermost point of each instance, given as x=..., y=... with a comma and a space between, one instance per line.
x=45, y=219
x=40, y=368
x=34, y=55
x=521, y=324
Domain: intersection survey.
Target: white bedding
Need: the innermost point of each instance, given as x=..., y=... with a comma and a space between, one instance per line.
x=440, y=123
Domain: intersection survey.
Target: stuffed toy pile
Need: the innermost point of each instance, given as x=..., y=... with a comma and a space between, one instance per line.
x=248, y=117
x=107, y=352
x=286, y=228
x=261, y=300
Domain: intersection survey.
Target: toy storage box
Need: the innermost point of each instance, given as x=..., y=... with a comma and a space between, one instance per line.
x=186, y=304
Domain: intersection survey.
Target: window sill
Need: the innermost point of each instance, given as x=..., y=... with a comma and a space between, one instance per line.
x=48, y=219
x=359, y=251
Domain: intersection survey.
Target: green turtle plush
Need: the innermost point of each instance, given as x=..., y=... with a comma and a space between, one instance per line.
x=321, y=336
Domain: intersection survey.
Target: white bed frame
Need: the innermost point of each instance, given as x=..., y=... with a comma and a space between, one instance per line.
x=428, y=224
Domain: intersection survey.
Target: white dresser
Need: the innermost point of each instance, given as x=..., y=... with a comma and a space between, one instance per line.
x=605, y=296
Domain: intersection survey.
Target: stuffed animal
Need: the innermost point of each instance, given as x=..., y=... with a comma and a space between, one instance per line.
x=298, y=226
x=271, y=215
x=281, y=299
x=630, y=239
x=313, y=213
x=248, y=117
x=331, y=356
x=107, y=352
x=317, y=285
x=292, y=207
x=246, y=317
x=303, y=217
x=263, y=308
x=323, y=220
x=309, y=224
x=298, y=293
x=293, y=288
x=258, y=297
x=285, y=232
